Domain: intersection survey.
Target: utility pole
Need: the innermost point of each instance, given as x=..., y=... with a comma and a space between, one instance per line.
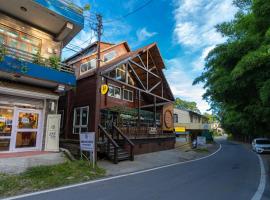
x=98, y=31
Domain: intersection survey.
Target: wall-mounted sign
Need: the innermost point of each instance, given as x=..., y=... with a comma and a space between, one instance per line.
x=153, y=130
x=168, y=119
x=104, y=89
x=180, y=129
x=52, y=133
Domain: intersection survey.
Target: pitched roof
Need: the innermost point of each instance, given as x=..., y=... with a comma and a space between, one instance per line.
x=86, y=50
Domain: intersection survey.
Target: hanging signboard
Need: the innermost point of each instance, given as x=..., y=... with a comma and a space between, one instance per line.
x=180, y=129
x=104, y=89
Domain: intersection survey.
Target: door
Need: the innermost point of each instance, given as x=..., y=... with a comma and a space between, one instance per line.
x=6, y=118
x=27, y=130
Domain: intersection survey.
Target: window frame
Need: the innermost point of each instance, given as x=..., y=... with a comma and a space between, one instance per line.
x=80, y=126
x=62, y=113
x=30, y=45
x=109, y=53
x=129, y=91
x=114, y=86
x=88, y=70
x=175, y=118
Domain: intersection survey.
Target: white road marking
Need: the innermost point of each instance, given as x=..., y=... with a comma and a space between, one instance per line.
x=109, y=178
x=259, y=193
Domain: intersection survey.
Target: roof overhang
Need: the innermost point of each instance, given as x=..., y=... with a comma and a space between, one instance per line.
x=55, y=17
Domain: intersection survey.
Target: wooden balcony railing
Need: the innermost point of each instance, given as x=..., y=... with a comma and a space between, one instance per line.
x=36, y=59
x=144, y=132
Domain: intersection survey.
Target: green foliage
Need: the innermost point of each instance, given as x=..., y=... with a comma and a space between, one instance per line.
x=2, y=52
x=86, y=7
x=38, y=59
x=182, y=104
x=54, y=62
x=44, y=177
x=237, y=72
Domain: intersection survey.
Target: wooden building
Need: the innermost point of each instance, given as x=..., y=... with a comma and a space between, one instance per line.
x=135, y=115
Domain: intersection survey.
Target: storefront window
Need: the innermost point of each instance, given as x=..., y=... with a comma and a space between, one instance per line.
x=6, y=116
x=26, y=139
x=28, y=120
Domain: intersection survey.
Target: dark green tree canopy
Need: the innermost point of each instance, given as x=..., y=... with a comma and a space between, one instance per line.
x=237, y=72
x=189, y=105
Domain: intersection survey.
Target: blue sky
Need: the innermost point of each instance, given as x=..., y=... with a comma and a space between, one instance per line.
x=183, y=29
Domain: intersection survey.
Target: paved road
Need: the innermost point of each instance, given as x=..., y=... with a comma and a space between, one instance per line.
x=232, y=173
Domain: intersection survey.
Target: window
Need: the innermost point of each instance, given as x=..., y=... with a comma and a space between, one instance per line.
x=175, y=118
x=80, y=120
x=121, y=73
x=128, y=95
x=114, y=91
x=19, y=40
x=109, y=56
x=87, y=66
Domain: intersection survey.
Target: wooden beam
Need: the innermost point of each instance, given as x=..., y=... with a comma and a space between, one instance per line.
x=155, y=112
x=142, y=61
x=136, y=88
x=152, y=105
x=136, y=75
x=144, y=68
x=154, y=86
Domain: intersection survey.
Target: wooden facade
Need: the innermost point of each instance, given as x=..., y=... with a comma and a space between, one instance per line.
x=138, y=103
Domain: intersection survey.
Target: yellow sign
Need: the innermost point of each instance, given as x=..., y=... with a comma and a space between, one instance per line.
x=180, y=129
x=104, y=89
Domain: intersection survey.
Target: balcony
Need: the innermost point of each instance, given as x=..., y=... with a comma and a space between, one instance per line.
x=60, y=18
x=22, y=66
x=193, y=126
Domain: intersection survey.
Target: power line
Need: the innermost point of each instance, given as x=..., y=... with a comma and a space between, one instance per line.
x=129, y=13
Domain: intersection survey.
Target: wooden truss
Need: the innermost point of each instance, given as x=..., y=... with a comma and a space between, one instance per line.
x=143, y=68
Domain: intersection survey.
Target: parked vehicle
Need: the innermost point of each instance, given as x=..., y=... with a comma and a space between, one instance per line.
x=261, y=145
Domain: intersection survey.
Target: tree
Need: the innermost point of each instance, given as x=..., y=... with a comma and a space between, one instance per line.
x=237, y=72
x=182, y=104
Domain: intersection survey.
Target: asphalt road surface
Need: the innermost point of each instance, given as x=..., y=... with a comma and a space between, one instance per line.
x=232, y=173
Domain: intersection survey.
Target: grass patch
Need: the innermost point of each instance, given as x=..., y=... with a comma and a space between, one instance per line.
x=201, y=150
x=44, y=177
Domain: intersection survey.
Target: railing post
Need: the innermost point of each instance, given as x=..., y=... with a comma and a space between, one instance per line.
x=131, y=153
x=115, y=155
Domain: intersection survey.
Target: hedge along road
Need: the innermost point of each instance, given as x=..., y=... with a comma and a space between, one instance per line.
x=234, y=172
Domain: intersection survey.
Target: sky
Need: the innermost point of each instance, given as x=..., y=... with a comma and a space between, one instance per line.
x=183, y=29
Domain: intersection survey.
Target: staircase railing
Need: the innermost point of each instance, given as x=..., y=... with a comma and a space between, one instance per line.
x=126, y=140
x=104, y=134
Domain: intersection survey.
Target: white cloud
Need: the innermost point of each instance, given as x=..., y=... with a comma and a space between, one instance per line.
x=198, y=64
x=195, y=21
x=181, y=84
x=194, y=30
x=143, y=34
